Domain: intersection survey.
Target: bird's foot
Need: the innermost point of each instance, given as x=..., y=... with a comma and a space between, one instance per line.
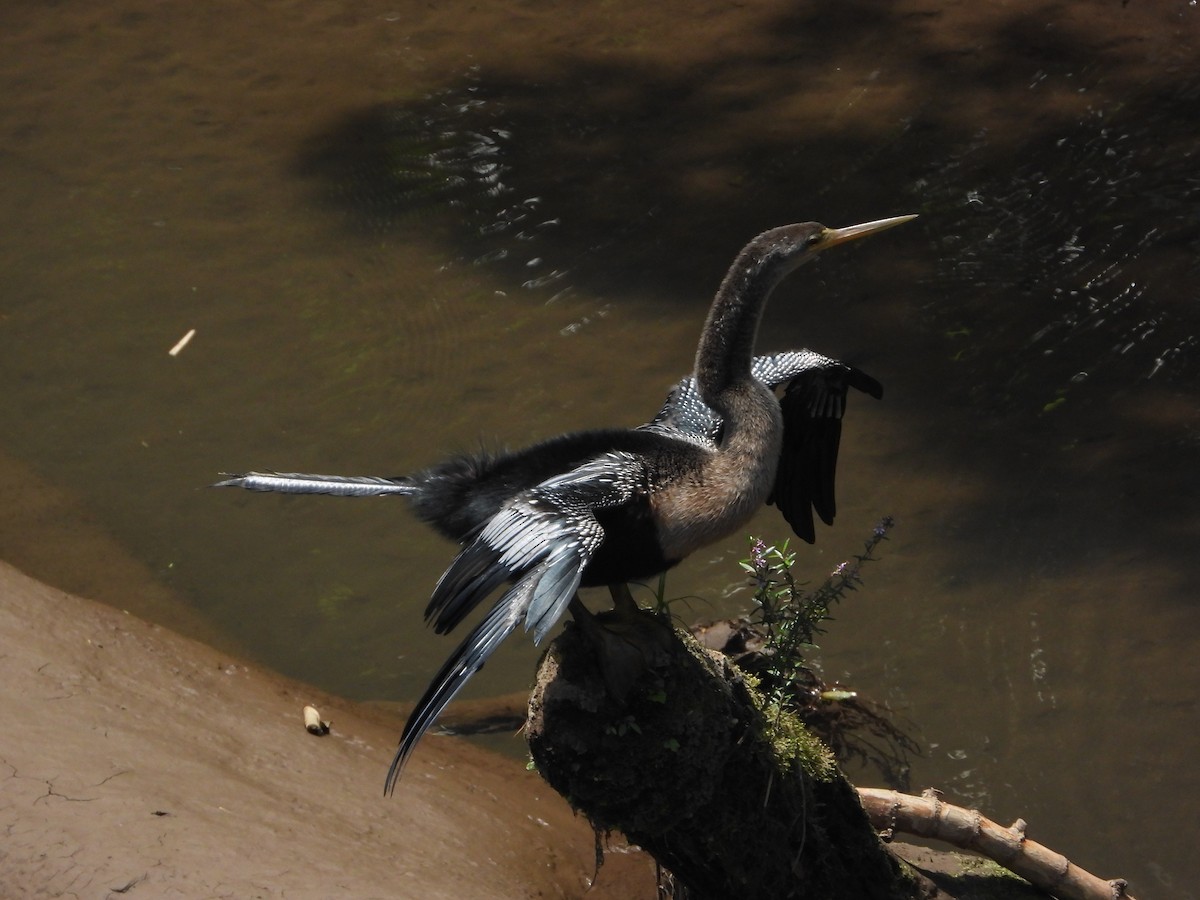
x=628, y=642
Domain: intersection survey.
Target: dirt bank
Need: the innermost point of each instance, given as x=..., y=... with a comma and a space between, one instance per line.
x=138, y=761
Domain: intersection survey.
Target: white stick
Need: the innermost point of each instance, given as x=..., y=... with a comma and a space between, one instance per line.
x=183, y=342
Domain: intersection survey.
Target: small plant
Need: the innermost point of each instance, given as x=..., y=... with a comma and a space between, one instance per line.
x=792, y=617
x=775, y=639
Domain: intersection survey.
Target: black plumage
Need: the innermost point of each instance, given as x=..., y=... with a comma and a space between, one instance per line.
x=813, y=405
x=609, y=506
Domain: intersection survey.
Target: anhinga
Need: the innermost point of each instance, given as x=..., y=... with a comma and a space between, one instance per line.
x=610, y=506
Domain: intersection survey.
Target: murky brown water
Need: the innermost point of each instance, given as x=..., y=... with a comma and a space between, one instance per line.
x=398, y=230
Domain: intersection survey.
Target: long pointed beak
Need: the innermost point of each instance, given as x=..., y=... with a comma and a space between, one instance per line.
x=834, y=236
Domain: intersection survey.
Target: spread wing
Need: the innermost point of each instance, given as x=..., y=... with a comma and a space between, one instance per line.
x=813, y=404
x=467, y=659
x=540, y=541
x=686, y=414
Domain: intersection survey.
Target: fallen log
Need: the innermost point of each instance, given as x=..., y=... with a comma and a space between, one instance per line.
x=733, y=802
x=739, y=800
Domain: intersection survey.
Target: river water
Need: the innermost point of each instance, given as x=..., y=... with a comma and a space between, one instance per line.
x=400, y=229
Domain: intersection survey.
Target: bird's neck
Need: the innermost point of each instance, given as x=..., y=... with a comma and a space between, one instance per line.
x=726, y=350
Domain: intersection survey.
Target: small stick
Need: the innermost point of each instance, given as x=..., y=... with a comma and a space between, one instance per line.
x=183, y=342
x=314, y=723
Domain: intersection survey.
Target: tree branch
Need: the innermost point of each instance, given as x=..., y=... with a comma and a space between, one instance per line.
x=928, y=816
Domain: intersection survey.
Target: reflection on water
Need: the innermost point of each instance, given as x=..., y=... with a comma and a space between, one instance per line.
x=390, y=164
x=395, y=236
x=1085, y=226
x=391, y=168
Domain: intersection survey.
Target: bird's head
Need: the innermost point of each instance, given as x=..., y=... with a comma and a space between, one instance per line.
x=788, y=247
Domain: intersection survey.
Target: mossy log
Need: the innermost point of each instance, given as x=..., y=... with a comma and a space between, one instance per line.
x=735, y=802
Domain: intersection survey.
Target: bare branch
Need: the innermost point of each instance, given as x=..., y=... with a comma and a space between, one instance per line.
x=928, y=816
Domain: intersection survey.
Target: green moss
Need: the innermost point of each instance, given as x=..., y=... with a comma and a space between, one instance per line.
x=795, y=745
x=978, y=865
x=970, y=877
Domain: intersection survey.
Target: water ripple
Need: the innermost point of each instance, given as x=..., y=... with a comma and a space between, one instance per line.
x=1066, y=234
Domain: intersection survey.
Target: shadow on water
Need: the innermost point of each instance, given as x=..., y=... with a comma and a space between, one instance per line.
x=1060, y=254
x=1079, y=212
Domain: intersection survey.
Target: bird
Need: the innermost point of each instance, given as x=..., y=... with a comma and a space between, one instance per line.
x=458, y=495
x=605, y=507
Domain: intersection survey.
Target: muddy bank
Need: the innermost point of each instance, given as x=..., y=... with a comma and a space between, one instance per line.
x=140, y=761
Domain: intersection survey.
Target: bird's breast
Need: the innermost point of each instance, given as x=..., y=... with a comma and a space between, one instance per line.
x=722, y=491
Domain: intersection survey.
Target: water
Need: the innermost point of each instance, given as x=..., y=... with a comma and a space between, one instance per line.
x=399, y=231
